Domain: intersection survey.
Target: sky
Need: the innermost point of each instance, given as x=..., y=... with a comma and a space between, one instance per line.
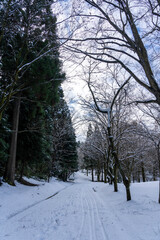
x=75, y=87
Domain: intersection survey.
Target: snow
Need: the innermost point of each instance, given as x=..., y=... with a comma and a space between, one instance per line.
x=79, y=210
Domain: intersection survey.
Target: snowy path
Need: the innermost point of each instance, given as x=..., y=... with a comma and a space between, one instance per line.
x=83, y=211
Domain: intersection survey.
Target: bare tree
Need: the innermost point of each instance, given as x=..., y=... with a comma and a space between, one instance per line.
x=124, y=33
x=109, y=104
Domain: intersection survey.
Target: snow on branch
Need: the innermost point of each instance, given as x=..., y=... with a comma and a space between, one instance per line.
x=109, y=109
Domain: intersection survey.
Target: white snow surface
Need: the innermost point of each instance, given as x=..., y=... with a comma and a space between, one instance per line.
x=79, y=210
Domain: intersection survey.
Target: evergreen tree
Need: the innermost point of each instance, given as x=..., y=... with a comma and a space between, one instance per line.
x=4, y=142
x=41, y=78
x=64, y=142
x=45, y=76
x=90, y=156
x=25, y=26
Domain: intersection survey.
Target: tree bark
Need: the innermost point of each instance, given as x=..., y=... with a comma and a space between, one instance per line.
x=92, y=175
x=115, y=178
x=133, y=178
x=138, y=176
x=125, y=180
x=22, y=170
x=102, y=176
x=154, y=174
x=143, y=172
x=98, y=176
x=128, y=193
x=87, y=172
x=105, y=173
x=9, y=175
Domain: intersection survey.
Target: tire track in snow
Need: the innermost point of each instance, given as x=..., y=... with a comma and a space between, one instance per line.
x=97, y=217
x=36, y=203
x=83, y=217
x=90, y=219
x=87, y=231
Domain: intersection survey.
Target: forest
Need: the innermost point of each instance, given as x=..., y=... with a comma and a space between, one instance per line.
x=113, y=48
x=36, y=134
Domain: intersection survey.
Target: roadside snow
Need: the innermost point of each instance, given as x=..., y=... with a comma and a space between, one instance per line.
x=14, y=200
x=79, y=211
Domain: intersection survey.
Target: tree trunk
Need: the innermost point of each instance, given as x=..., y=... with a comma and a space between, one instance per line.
x=143, y=172
x=128, y=193
x=102, y=176
x=9, y=175
x=154, y=174
x=115, y=178
x=133, y=178
x=138, y=176
x=92, y=175
x=87, y=172
x=114, y=153
x=98, y=176
x=105, y=173
x=22, y=170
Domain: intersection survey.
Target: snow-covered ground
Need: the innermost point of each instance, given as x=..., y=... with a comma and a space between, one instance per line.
x=81, y=210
